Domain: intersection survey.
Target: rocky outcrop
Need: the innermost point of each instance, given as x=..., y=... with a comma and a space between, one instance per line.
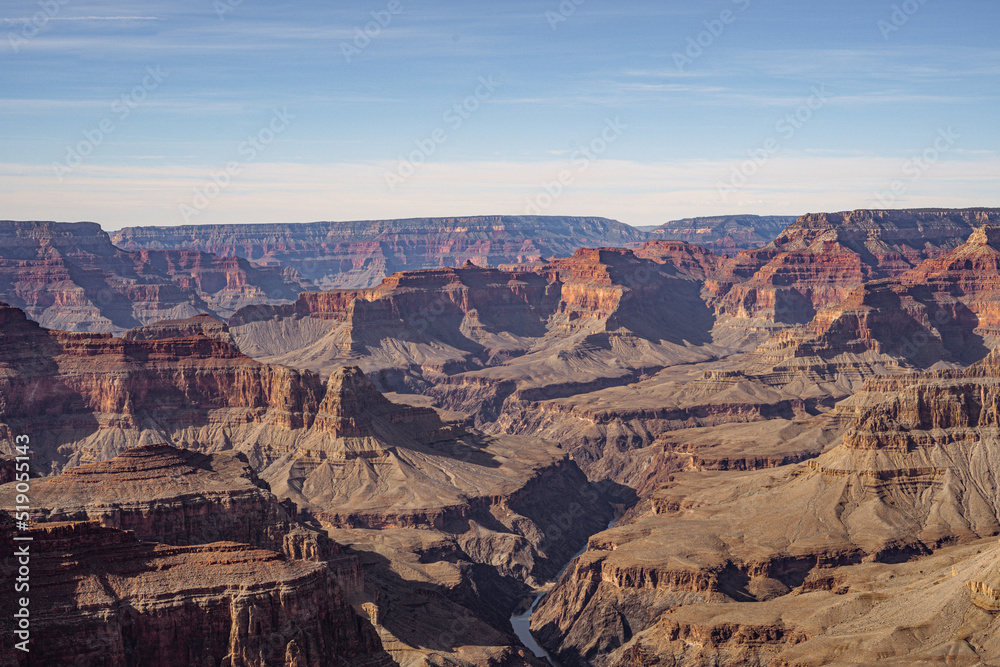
x=203, y=324
x=914, y=472
x=69, y=276
x=88, y=397
x=943, y=310
x=687, y=259
x=821, y=258
x=724, y=234
x=101, y=596
x=918, y=613
x=361, y=254
x=182, y=497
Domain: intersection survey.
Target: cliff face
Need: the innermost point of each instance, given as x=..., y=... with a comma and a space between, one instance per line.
x=90, y=396
x=488, y=345
x=500, y=514
x=70, y=276
x=126, y=552
x=943, y=310
x=724, y=234
x=100, y=596
x=360, y=254
x=821, y=258
x=688, y=260
x=181, y=497
x=914, y=472
x=441, y=320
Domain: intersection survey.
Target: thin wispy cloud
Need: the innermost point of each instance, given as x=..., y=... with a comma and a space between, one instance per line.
x=33, y=20
x=412, y=93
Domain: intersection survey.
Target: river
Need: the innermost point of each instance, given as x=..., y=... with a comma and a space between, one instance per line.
x=522, y=622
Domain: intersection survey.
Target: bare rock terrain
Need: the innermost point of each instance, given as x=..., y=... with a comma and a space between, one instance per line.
x=69, y=276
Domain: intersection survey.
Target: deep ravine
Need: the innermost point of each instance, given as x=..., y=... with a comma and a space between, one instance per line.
x=521, y=623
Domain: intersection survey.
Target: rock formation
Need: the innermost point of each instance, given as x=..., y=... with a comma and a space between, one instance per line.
x=69, y=276
x=126, y=553
x=88, y=397
x=725, y=234
x=941, y=311
x=821, y=258
x=101, y=596
x=361, y=254
x=181, y=497
x=800, y=440
x=502, y=513
x=915, y=471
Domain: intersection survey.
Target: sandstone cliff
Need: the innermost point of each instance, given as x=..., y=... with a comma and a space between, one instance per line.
x=915, y=471
x=360, y=254
x=942, y=311
x=821, y=258
x=724, y=234
x=100, y=596
x=70, y=276
x=88, y=397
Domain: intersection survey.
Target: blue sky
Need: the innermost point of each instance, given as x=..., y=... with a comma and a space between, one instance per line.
x=130, y=113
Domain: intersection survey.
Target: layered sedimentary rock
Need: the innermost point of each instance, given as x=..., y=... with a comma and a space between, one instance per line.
x=821, y=258
x=452, y=527
x=487, y=343
x=100, y=596
x=203, y=324
x=942, y=311
x=361, y=254
x=915, y=471
x=450, y=320
x=70, y=276
x=182, y=497
x=603, y=351
x=687, y=259
x=724, y=234
x=936, y=610
x=503, y=512
x=88, y=397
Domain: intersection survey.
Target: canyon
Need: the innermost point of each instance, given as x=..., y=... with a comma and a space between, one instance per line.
x=70, y=276
x=724, y=234
x=796, y=437
x=362, y=253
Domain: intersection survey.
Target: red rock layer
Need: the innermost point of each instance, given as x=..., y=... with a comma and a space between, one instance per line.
x=87, y=397
x=360, y=254
x=99, y=596
x=821, y=258
x=612, y=285
x=724, y=234
x=689, y=260
x=69, y=276
x=946, y=309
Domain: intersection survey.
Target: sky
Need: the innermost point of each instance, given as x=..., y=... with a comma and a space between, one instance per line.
x=230, y=111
